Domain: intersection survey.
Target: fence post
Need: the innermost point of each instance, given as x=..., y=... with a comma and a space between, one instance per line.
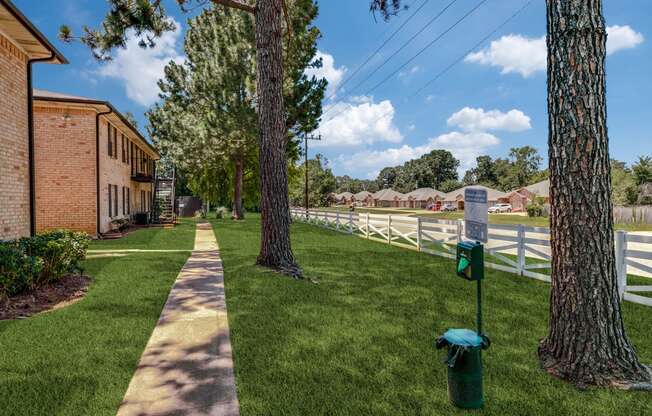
x=621, y=261
x=350, y=222
x=337, y=220
x=521, y=249
x=367, y=226
x=460, y=224
x=419, y=233
x=389, y=229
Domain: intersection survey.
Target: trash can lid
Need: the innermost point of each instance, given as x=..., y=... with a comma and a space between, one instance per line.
x=463, y=337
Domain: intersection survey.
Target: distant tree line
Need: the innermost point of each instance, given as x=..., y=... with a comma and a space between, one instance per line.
x=632, y=186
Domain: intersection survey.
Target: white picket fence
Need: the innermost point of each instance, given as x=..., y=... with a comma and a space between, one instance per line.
x=515, y=249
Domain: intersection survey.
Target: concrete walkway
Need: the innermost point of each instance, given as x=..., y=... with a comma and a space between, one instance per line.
x=187, y=368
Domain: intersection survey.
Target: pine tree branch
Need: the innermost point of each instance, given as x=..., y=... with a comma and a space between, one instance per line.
x=237, y=5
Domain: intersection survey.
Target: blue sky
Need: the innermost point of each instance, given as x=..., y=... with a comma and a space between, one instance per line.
x=491, y=101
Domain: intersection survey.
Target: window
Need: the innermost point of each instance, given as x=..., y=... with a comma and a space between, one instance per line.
x=124, y=197
x=142, y=201
x=115, y=143
x=110, y=201
x=128, y=201
x=115, y=200
x=128, y=145
x=110, y=135
x=124, y=157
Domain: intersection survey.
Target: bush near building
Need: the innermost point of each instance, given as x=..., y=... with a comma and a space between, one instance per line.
x=31, y=262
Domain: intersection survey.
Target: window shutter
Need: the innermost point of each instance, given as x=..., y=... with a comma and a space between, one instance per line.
x=115, y=201
x=110, y=202
x=115, y=143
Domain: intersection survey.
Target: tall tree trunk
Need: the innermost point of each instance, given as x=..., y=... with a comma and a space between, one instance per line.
x=275, y=248
x=238, y=211
x=586, y=343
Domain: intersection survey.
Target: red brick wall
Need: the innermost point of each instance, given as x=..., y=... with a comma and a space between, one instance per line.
x=64, y=155
x=14, y=143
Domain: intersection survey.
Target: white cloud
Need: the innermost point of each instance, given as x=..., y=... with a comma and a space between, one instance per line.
x=358, y=123
x=140, y=69
x=412, y=127
x=410, y=71
x=525, y=56
x=477, y=119
x=465, y=146
x=328, y=70
x=513, y=53
x=622, y=37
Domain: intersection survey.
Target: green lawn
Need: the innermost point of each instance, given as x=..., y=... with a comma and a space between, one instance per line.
x=493, y=218
x=79, y=360
x=361, y=341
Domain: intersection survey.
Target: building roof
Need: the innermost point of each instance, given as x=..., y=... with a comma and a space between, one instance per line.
x=343, y=195
x=387, y=195
x=20, y=30
x=49, y=96
x=492, y=194
x=540, y=189
x=424, y=194
x=362, y=195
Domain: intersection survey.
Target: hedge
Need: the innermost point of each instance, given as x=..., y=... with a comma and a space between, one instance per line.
x=34, y=261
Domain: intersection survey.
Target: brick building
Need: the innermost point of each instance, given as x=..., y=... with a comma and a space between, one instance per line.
x=21, y=45
x=88, y=155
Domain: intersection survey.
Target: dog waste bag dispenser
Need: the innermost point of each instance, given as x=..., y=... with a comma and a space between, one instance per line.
x=464, y=346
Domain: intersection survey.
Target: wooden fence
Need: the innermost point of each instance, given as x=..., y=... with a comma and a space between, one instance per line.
x=516, y=249
x=633, y=215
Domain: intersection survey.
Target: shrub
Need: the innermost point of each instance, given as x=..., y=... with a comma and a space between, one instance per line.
x=61, y=252
x=121, y=224
x=17, y=270
x=534, y=210
x=221, y=212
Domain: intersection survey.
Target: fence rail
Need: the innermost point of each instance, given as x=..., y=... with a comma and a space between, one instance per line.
x=518, y=249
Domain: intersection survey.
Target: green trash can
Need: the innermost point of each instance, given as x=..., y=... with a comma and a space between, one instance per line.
x=464, y=362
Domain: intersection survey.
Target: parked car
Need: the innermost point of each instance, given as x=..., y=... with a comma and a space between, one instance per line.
x=498, y=208
x=448, y=208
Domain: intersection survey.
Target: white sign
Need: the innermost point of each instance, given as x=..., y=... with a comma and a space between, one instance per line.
x=476, y=215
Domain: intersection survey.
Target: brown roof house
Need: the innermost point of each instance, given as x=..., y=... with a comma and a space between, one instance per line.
x=92, y=166
x=364, y=198
x=456, y=197
x=21, y=45
x=387, y=198
x=423, y=198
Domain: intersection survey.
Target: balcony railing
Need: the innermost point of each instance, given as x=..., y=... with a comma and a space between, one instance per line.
x=142, y=177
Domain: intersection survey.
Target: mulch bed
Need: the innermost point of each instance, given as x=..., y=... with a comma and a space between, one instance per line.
x=66, y=291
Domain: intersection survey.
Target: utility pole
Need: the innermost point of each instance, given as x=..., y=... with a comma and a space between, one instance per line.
x=305, y=165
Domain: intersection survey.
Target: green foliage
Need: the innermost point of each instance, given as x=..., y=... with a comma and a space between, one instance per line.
x=44, y=258
x=321, y=182
x=348, y=184
x=534, y=210
x=17, y=270
x=429, y=171
x=623, y=187
x=642, y=170
x=520, y=169
x=450, y=185
x=221, y=212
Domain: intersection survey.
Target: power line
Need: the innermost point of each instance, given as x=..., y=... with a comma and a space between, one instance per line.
x=460, y=20
x=470, y=50
x=374, y=53
x=405, y=44
x=455, y=62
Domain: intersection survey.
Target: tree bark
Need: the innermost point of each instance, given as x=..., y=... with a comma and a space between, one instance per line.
x=238, y=211
x=586, y=343
x=275, y=247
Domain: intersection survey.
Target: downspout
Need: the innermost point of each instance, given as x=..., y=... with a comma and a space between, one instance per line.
x=97, y=167
x=30, y=139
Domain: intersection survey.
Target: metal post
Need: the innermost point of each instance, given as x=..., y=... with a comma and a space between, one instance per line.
x=389, y=229
x=479, y=300
x=337, y=220
x=621, y=261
